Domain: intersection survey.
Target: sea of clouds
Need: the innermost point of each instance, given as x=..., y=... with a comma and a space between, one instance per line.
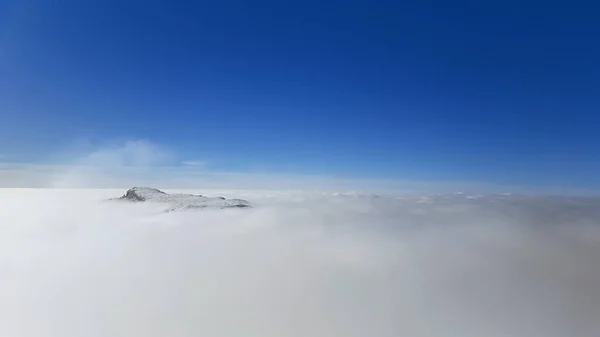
x=299, y=263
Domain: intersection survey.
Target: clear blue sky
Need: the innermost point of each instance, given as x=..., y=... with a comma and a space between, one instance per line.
x=504, y=91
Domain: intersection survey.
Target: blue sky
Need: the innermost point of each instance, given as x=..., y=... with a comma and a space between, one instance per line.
x=502, y=92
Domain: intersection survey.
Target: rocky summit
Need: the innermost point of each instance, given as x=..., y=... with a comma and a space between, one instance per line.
x=180, y=202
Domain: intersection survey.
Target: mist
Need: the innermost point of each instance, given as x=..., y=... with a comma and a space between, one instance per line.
x=299, y=264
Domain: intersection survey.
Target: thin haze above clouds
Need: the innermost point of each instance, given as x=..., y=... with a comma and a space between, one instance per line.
x=296, y=264
x=143, y=162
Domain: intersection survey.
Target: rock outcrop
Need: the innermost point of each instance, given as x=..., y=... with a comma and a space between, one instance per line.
x=180, y=202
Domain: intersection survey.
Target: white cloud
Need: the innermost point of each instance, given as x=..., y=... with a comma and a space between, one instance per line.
x=195, y=163
x=298, y=263
x=138, y=153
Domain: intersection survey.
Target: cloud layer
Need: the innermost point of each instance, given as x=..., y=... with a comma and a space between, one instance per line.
x=299, y=264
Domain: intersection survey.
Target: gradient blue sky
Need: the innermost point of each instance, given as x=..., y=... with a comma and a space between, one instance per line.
x=505, y=92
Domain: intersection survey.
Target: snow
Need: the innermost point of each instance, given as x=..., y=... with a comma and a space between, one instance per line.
x=180, y=201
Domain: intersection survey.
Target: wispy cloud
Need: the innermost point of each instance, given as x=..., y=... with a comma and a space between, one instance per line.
x=141, y=153
x=195, y=163
x=178, y=177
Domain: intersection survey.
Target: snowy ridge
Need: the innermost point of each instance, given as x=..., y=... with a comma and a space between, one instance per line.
x=178, y=201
